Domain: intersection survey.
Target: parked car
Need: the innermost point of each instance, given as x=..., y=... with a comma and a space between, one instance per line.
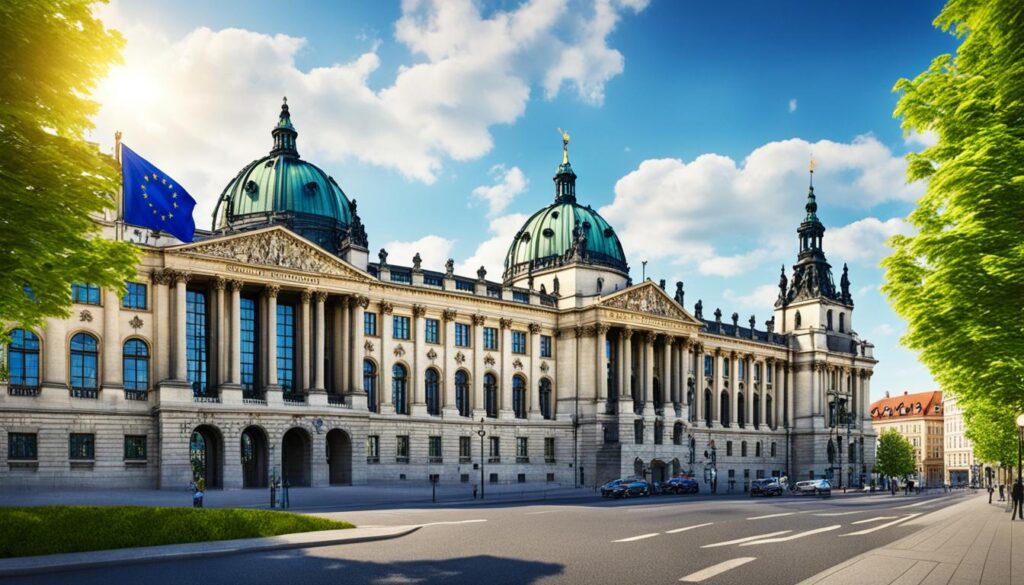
x=766, y=487
x=630, y=488
x=818, y=487
x=681, y=485
x=608, y=488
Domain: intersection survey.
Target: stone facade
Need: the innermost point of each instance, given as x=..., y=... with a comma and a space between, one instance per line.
x=919, y=418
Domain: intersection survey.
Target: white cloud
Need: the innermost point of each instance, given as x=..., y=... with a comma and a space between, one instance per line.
x=433, y=250
x=668, y=209
x=201, y=106
x=864, y=290
x=758, y=299
x=883, y=330
x=509, y=182
x=792, y=105
x=864, y=240
x=921, y=140
x=491, y=253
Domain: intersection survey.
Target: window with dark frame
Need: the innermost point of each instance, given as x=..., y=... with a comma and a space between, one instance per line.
x=85, y=294
x=135, y=447
x=519, y=342
x=134, y=296
x=434, y=449
x=431, y=331
x=549, y=449
x=545, y=346
x=402, y=449
x=465, y=449
x=490, y=338
x=21, y=446
x=461, y=335
x=370, y=324
x=81, y=446
x=400, y=327
x=23, y=359
x=522, y=450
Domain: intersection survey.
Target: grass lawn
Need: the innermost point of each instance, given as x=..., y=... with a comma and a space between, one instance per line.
x=43, y=530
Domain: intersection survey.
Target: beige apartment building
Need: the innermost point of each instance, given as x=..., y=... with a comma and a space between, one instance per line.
x=918, y=417
x=961, y=467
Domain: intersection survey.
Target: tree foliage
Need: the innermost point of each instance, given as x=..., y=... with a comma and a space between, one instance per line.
x=959, y=281
x=895, y=454
x=53, y=183
x=993, y=433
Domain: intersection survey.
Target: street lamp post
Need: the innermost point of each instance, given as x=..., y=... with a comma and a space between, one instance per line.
x=1020, y=443
x=481, y=433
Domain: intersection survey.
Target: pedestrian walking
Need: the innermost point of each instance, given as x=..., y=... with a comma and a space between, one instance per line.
x=991, y=489
x=1001, y=489
x=1017, y=493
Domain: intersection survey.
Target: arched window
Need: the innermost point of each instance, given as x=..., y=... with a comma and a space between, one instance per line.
x=769, y=417
x=85, y=360
x=370, y=384
x=491, y=395
x=741, y=409
x=828, y=320
x=842, y=322
x=723, y=414
x=23, y=359
x=757, y=449
x=399, y=386
x=462, y=392
x=757, y=410
x=433, y=400
x=677, y=433
x=659, y=432
x=135, y=365
x=707, y=406
x=545, y=398
x=797, y=320
x=519, y=396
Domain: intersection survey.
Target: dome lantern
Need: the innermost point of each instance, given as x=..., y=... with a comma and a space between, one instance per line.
x=284, y=133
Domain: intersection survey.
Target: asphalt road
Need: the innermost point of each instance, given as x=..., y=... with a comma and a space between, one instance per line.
x=660, y=539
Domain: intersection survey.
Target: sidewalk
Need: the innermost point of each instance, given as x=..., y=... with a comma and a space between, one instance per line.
x=174, y=552
x=972, y=542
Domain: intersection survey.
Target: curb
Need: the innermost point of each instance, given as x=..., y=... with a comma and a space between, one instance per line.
x=20, y=566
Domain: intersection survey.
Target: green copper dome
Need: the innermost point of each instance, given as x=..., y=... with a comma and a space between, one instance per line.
x=283, y=189
x=564, y=232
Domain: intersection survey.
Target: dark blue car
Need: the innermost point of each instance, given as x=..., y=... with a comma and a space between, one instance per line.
x=681, y=485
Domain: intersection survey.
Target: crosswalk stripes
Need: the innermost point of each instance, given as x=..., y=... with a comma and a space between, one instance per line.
x=713, y=570
x=794, y=536
x=635, y=538
x=881, y=526
x=875, y=519
x=747, y=539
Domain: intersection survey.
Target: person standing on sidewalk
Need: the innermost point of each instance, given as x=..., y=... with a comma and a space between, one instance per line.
x=990, y=490
x=1017, y=493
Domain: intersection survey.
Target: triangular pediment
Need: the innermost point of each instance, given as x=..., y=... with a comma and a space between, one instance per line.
x=648, y=298
x=277, y=247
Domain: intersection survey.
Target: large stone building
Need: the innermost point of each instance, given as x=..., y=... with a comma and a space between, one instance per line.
x=918, y=417
x=271, y=346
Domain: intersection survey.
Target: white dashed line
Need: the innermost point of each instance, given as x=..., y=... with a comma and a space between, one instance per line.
x=705, y=574
x=635, y=538
x=772, y=516
x=794, y=536
x=841, y=513
x=881, y=526
x=455, y=522
x=542, y=512
x=678, y=530
x=914, y=505
x=747, y=539
x=875, y=519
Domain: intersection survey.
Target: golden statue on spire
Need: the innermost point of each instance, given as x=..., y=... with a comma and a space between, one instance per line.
x=565, y=146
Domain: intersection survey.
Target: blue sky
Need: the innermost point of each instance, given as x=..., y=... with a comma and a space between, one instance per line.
x=692, y=125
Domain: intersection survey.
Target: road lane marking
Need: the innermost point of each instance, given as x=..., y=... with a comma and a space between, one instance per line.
x=842, y=513
x=875, y=519
x=455, y=522
x=542, y=512
x=881, y=526
x=635, y=538
x=772, y=516
x=705, y=574
x=794, y=536
x=747, y=539
x=678, y=530
x=914, y=505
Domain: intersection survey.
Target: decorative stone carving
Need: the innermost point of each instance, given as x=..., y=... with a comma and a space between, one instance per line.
x=270, y=291
x=478, y=320
x=646, y=299
x=307, y=295
x=386, y=307
x=418, y=310
x=219, y=283
x=382, y=256
x=235, y=285
x=650, y=336
x=579, y=331
x=544, y=367
x=431, y=354
x=449, y=268
x=136, y=323
x=181, y=276
x=417, y=262
x=85, y=316
x=626, y=333
x=368, y=346
x=460, y=358
x=399, y=351
x=601, y=328
x=534, y=328
x=449, y=314
x=517, y=364
x=505, y=323
x=489, y=359
x=363, y=301
x=274, y=248
x=160, y=277
x=320, y=296
x=481, y=274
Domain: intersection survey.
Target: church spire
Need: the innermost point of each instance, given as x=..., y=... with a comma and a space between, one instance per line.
x=565, y=178
x=284, y=133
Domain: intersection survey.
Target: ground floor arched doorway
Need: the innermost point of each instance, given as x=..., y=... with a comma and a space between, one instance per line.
x=638, y=467
x=255, y=457
x=659, y=471
x=206, y=456
x=296, y=457
x=339, y=457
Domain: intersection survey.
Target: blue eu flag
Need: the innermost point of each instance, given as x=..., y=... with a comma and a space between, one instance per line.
x=154, y=200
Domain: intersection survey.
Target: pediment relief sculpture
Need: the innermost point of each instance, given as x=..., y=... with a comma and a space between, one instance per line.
x=274, y=248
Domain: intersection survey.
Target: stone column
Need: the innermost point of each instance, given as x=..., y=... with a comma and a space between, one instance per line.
x=112, y=370
x=302, y=380
x=448, y=317
x=416, y=385
x=270, y=293
x=790, y=418
x=763, y=408
x=672, y=365
x=505, y=388
x=320, y=343
x=648, y=369
x=626, y=367
x=533, y=386
x=699, y=383
x=734, y=388
x=180, y=351
x=479, y=406
x=865, y=405
x=218, y=336
x=235, y=340
x=387, y=330
x=601, y=376
x=162, y=321
x=357, y=398
x=716, y=388
x=339, y=346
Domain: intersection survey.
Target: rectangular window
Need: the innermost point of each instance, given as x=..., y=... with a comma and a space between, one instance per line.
x=85, y=294
x=728, y=448
x=709, y=366
x=768, y=375
x=521, y=297
x=432, y=331
x=465, y=286
x=490, y=338
x=134, y=296
x=518, y=342
x=773, y=449
x=82, y=446
x=522, y=450
x=135, y=447
x=196, y=351
x=402, y=277
x=743, y=449
x=465, y=449
x=495, y=452
x=638, y=432
x=725, y=367
x=742, y=364
x=402, y=449
x=370, y=324
x=549, y=449
x=21, y=446
x=757, y=372
x=249, y=337
x=400, y=327
x=461, y=335
x=434, y=449
x=545, y=346
x=372, y=449
x=286, y=347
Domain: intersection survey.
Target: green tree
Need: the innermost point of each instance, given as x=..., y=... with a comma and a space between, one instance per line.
x=895, y=455
x=993, y=434
x=53, y=183
x=959, y=280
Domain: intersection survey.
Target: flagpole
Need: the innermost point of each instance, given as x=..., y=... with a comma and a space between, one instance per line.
x=119, y=222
